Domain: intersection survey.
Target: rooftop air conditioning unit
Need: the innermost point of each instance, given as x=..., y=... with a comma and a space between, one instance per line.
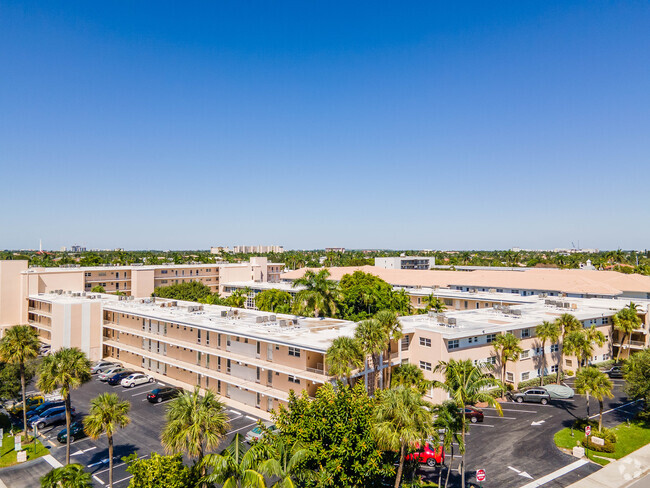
x=224, y=313
x=283, y=323
x=272, y=318
x=452, y=321
x=493, y=290
x=259, y=320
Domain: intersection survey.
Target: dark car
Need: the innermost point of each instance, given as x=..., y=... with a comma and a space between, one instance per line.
x=473, y=414
x=76, y=432
x=615, y=372
x=161, y=394
x=117, y=377
x=44, y=407
x=536, y=395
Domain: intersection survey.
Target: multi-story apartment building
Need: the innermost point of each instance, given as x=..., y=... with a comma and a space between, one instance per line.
x=405, y=262
x=256, y=249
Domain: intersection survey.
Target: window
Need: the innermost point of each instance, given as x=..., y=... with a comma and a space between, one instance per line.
x=491, y=338
x=425, y=342
x=510, y=377
x=472, y=340
x=525, y=333
x=491, y=360
x=449, y=302
x=569, y=363
x=425, y=366
x=538, y=351
x=294, y=351
x=554, y=369
x=525, y=354
x=293, y=379
x=453, y=344
x=405, y=342
x=555, y=347
x=525, y=376
x=466, y=304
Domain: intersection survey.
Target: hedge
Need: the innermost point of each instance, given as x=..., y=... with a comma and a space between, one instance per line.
x=608, y=446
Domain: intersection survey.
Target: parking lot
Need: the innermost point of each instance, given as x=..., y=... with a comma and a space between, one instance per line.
x=517, y=449
x=142, y=435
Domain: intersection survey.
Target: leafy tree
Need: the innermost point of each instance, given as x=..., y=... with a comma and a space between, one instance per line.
x=507, y=348
x=160, y=472
x=278, y=301
x=98, y=289
x=237, y=298
x=336, y=429
x=393, y=328
x=363, y=295
x=626, y=321
x=401, y=302
x=546, y=331
x=18, y=346
x=10, y=381
x=372, y=337
x=284, y=462
x=107, y=414
x=236, y=466
x=192, y=291
x=637, y=377
x=466, y=384
x=450, y=420
x=194, y=424
x=319, y=296
x=402, y=420
x=66, y=369
x=69, y=476
x=592, y=381
x=410, y=375
x=344, y=356
x=567, y=324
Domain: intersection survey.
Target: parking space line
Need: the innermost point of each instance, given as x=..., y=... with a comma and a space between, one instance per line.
x=511, y=410
x=123, y=479
x=242, y=428
x=613, y=409
x=118, y=465
x=251, y=418
x=235, y=412
x=556, y=474
x=139, y=393
x=499, y=417
x=98, y=480
x=482, y=425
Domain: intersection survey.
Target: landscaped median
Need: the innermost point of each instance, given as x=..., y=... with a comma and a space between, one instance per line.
x=8, y=455
x=630, y=436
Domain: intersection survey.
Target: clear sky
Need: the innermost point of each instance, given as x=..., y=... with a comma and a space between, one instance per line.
x=466, y=125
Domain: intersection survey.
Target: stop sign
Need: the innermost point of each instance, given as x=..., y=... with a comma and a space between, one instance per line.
x=480, y=475
x=588, y=430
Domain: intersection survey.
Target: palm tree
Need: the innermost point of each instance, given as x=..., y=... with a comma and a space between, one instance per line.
x=402, y=420
x=592, y=381
x=319, y=294
x=344, y=356
x=576, y=344
x=194, y=424
x=68, y=476
x=546, y=331
x=107, y=414
x=567, y=324
x=449, y=419
x=393, y=327
x=19, y=345
x=466, y=384
x=284, y=462
x=273, y=301
x=372, y=338
x=434, y=303
x=401, y=302
x=411, y=376
x=507, y=349
x=626, y=321
x=67, y=369
x=594, y=336
x=236, y=466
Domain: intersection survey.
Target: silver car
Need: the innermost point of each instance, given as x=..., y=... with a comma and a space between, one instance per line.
x=50, y=417
x=110, y=372
x=101, y=366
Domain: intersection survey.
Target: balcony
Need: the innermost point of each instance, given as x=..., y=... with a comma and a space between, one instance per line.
x=636, y=344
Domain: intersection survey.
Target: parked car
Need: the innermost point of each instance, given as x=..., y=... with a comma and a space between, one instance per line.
x=136, y=379
x=43, y=407
x=76, y=432
x=473, y=414
x=45, y=349
x=161, y=394
x=615, y=372
x=101, y=366
x=30, y=402
x=257, y=433
x=535, y=395
x=118, y=377
x=110, y=372
x=50, y=417
x=429, y=455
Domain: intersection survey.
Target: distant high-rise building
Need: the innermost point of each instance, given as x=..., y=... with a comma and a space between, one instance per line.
x=77, y=248
x=334, y=249
x=253, y=249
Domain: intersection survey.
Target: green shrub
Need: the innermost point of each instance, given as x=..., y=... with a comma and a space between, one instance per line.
x=643, y=416
x=607, y=447
x=551, y=378
x=5, y=423
x=568, y=372
x=581, y=423
x=604, y=364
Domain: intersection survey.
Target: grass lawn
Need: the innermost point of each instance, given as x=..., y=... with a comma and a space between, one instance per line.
x=630, y=436
x=8, y=456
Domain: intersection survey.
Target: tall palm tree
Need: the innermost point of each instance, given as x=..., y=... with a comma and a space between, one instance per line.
x=593, y=336
x=344, y=356
x=107, y=414
x=626, y=321
x=592, y=381
x=68, y=476
x=410, y=375
x=284, y=462
x=66, y=369
x=319, y=295
x=576, y=344
x=507, y=349
x=372, y=338
x=19, y=345
x=434, y=303
x=393, y=327
x=546, y=331
x=567, y=324
x=466, y=384
x=273, y=301
x=450, y=420
x=194, y=424
x=236, y=466
x=402, y=420
x=401, y=302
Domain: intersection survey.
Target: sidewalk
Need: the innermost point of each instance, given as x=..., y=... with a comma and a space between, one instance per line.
x=621, y=473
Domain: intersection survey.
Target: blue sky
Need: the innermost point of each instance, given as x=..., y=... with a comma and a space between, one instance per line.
x=466, y=125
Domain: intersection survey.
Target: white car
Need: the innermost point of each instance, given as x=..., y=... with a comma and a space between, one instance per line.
x=136, y=379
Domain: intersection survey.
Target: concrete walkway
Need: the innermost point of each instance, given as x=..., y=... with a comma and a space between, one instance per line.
x=621, y=473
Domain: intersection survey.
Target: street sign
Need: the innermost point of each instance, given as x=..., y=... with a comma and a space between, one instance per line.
x=480, y=475
x=588, y=430
x=17, y=446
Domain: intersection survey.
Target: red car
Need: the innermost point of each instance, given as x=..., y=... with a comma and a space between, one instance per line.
x=429, y=455
x=473, y=414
